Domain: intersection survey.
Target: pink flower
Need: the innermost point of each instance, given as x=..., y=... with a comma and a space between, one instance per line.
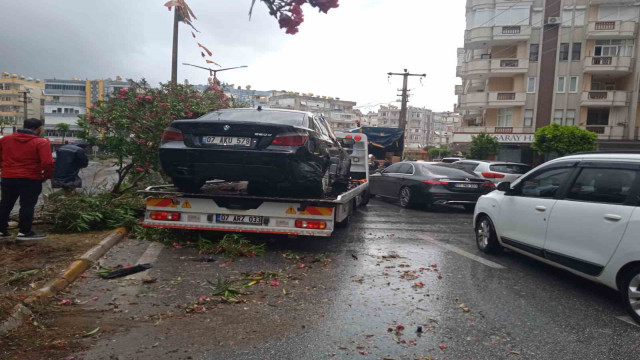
x=65, y=302
x=148, y=98
x=175, y=244
x=95, y=298
x=124, y=90
x=399, y=326
x=139, y=97
x=163, y=105
x=326, y=5
x=301, y=266
x=274, y=283
x=181, y=97
x=443, y=347
x=139, y=169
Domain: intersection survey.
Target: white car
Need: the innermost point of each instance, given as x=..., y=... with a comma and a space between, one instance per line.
x=580, y=213
x=496, y=171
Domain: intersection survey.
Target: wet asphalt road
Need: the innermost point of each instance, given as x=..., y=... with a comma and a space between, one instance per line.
x=471, y=306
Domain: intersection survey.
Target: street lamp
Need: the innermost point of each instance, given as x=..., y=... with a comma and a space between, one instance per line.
x=25, y=101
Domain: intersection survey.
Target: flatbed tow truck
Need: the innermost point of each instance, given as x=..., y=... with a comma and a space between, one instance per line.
x=226, y=206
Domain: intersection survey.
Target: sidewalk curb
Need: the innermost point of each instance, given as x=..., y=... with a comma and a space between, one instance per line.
x=21, y=312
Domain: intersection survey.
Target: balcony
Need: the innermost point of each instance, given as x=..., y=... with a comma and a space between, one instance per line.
x=509, y=66
x=496, y=35
x=505, y=99
x=473, y=101
x=496, y=130
x=605, y=98
x=480, y=3
x=476, y=68
x=10, y=113
x=458, y=71
x=459, y=90
x=478, y=37
x=612, y=65
x=607, y=132
x=611, y=29
x=15, y=103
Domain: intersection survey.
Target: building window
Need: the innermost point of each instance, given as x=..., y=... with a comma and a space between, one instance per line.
x=573, y=16
x=564, y=52
x=528, y=117
x=505, y=117
x=571, y=117
x=576, y=51
x=614, y=48
x=573, y=84
x=557, y=116
x=560, y=84
x=531, y=85
x=534, y=50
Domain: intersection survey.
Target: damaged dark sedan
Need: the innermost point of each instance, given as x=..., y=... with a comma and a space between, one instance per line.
x=271, y=149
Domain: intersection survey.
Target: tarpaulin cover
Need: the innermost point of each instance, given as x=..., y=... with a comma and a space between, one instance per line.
x=381, y=140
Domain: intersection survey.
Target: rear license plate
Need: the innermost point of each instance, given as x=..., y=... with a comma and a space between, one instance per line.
x=467, y=186
x=239, y=219
x=226, y=140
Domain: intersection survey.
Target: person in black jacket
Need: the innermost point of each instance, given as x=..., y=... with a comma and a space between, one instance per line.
x=70, y=159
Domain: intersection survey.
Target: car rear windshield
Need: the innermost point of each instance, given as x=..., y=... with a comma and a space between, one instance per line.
x=268, y=117
x=510, y=168
x=446, y=170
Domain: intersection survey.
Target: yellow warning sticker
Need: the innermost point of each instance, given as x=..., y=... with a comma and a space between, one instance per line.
x=291, y=210
x=186, y=205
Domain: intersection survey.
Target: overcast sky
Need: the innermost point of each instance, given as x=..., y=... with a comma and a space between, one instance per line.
x=346, y=53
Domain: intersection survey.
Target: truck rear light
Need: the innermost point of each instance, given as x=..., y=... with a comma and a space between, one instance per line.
x=492, y=175
x=348, y=137
x=357, y=138
x=164, y=216
x=171, y=134
x=311, y=224
x=436, y=182
x=290, y=140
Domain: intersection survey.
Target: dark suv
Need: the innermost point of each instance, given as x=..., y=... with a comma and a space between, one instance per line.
x=272, y=149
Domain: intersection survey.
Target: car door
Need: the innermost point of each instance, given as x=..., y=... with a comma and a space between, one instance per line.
x=586, y=226
x=523, y=213
x=389, y=179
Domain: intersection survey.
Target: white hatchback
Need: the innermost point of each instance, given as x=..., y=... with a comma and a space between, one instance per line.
x=580, y=213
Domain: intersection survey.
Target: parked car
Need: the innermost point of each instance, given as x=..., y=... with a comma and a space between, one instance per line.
x=451, y=160
x=580, y=213
x=495, y=171
x=429, y=183
x=269, y=148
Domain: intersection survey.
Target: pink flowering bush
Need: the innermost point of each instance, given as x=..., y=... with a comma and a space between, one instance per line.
x=290, y=14
x=129, y=125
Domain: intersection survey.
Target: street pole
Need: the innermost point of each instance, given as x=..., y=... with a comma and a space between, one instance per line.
x=174, y=54
x=405, y=99
x=25, y=101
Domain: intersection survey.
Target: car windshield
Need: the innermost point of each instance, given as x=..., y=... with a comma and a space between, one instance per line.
x=446, y=170
x=510, y=168
x=269, y=117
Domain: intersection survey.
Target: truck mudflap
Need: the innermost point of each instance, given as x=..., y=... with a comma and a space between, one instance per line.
x=240, y=216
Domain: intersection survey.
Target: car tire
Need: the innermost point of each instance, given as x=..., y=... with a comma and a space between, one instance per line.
x=469, y=207
x=630, y=292
x=365, y=198
x=188, y=185
x=257, y=188
x=486, y=237
x=406, y=200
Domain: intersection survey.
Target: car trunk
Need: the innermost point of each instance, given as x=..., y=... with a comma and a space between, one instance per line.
x=250, y=135
x=465, y=185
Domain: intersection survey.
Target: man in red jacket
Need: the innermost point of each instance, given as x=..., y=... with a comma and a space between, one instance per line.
x=25, y=161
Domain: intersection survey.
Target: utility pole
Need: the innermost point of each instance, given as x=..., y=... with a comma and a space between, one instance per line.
x=24, y=102
x=405, y=95
x=174, y=54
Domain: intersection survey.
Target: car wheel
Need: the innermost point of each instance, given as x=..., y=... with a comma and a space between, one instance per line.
x=469, y=207
x=630, y=291
x=486, y=237
x=188, y=185
x=405, y=197
x=257, y=188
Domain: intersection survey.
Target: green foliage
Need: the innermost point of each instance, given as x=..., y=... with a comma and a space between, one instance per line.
x=225, y=289
x=437, y=153
x=78, y=212
x=563, y=140
x=231, y=246
x=483, y=146
x=5, y=122
x=129, y=125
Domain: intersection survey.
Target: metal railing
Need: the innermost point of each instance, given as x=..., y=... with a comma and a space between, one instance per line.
x=598, y=129
x=506, y=96
x=605, y=25
x=509, y=63
x=602, y=60
x=597, y=95
x=504, y=130
x=513, y=30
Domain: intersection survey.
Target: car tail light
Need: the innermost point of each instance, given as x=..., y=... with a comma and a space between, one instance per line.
x=311, y=224
x=163, y=215
x=436, y=182
x=171, y=134
x=492, y=175
x=357, y=138
x=290, y=140
x=489, y=185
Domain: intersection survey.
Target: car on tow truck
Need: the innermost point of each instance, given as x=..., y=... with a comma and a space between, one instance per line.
x=275, y=150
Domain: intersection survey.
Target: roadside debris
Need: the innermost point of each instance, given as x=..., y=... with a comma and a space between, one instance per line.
x=118, y=273
x=91, y=332
x=148, y=280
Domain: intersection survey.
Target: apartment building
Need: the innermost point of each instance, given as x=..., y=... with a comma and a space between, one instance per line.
x=66, y=100
x=529, y=63
x=12, y=88
x=339, y=113
x=419, y=125
x=247, y=95
x=443, y=127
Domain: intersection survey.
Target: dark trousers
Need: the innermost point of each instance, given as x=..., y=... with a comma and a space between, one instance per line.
x=28, y=191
